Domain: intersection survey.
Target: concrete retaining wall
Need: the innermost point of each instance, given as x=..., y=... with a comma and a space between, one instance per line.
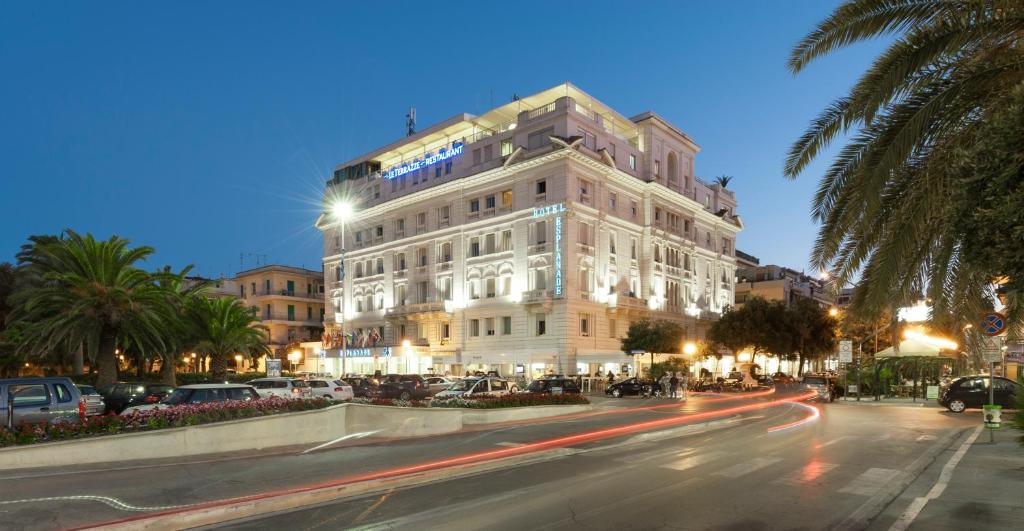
x=288, y=429
x=492, y=416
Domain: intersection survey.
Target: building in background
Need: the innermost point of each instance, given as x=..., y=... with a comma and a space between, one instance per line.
x=778, y=283
x=289, y=301
x=524, y=240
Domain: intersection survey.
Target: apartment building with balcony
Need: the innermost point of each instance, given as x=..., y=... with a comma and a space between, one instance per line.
x=524, y=240
x=773, y=282
x=289, y=301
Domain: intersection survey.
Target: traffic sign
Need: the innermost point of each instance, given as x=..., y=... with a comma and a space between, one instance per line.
x=993, y=324
x=992, y=349
x=846, y=351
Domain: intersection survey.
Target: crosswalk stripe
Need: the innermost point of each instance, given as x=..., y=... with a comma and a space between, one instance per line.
x=868, y=483
x=752, y=465
x=806, y=474
x=691, y=461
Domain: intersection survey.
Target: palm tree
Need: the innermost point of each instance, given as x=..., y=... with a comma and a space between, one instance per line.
x=888, y=204
x=723, y=180
x=91, y=293
x=224, y=327
x=184, y=335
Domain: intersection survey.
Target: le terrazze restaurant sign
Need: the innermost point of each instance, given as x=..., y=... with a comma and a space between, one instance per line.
x=423, y=162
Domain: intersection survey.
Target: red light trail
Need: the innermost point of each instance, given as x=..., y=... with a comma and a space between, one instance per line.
x=478, y=457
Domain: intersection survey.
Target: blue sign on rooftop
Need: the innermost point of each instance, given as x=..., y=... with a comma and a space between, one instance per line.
x=423, y=162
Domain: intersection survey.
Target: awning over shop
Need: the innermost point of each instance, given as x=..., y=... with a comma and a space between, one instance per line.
x=916, y=348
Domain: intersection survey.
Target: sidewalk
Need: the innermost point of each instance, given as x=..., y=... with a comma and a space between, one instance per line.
x=983, y=490
x=870, y=401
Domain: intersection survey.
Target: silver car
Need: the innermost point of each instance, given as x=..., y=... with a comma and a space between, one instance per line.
x=281, y=387
x=94, y=404
x=436, y=384
x=39, y=400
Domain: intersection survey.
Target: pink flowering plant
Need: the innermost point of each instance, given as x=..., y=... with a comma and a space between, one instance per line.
x=155, y=419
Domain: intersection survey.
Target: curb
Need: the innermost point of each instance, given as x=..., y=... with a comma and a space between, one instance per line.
x=866, y=513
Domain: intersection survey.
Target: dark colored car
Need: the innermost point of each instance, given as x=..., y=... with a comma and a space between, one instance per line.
x=361, y=387
x=972, y=391
x=403, y=387
x=634, y=386
x=554, y=386
x=823, y=384
x=121, y=395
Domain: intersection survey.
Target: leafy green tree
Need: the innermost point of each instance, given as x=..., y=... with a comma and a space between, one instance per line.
x=812, y=331
x=760, y=325
x=90, y=293
x=659, y=336
x=891, y=205
x=224, y=327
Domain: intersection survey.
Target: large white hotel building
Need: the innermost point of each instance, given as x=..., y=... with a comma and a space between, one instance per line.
x=523, y=240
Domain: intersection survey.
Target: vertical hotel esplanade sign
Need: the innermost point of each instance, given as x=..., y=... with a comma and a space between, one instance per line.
x=426, y=160
x=555, y=210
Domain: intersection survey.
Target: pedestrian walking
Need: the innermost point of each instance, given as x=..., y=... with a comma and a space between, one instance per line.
x=673, y=385
x=611, y=378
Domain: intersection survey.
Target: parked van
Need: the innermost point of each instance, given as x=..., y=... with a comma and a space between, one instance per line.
x=38, y=400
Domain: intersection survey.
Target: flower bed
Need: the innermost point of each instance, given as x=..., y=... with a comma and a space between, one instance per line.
x=173, y=417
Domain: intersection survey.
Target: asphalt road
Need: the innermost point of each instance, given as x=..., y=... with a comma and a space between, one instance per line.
x=737, y=476
x=664, y=466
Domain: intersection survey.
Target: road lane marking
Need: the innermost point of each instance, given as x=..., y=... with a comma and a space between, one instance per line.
x=868, y=483
x=926, y=438
x=508, y=444
x=689, y=462
x=747, y=467
x=342, y=438
x=806, y=474
x=918, y=504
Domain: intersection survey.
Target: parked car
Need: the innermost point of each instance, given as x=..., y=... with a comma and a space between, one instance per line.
x=439, y=383
x=38, y=400
x=361, y=386
x=121, y=395
x=200, y=394
x=478, y=385
x=333, y=389
x=633, y=387
x=554, y=386
x=94, y=404
x=824, y=384
x=402, y=387
x=972, y=391
x=282, y=387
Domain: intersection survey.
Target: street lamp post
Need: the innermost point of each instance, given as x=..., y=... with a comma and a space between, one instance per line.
x=342, y=211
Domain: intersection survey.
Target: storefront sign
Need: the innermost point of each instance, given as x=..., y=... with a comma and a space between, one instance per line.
x=426, y=160
x=555, y=210
x=367, y=352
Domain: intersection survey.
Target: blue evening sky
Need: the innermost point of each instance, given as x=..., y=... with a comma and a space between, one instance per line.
x=207, y=129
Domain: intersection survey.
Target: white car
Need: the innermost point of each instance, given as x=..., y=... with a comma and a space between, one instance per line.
x=436, y=384
x=199, y=394
x=478, y=385
x=281, y=387
x=333, y=389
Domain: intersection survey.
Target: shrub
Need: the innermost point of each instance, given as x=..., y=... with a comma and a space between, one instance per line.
x=155, y=419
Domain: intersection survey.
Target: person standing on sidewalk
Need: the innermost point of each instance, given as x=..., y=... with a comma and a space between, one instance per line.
x=673, y=385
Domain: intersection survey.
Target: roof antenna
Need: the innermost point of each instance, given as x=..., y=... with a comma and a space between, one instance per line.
x=410, y=122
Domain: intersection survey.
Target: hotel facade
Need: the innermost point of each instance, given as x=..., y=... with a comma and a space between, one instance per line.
x=524, y=240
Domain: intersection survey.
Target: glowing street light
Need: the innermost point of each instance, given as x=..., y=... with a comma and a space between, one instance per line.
x=342, y=211
x=690, y=348
x=833, y=311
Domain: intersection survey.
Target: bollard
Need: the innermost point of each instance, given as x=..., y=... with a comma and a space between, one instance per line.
x=993, y=419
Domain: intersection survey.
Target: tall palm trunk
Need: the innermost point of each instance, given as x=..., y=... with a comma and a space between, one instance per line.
x=106, y=360
x=78, y=360
x=219, y=365
x=167, y=373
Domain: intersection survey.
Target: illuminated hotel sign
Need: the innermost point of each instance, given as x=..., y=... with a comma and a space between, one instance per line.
x=425, y=161
x=555, y=210
x=366, y=352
